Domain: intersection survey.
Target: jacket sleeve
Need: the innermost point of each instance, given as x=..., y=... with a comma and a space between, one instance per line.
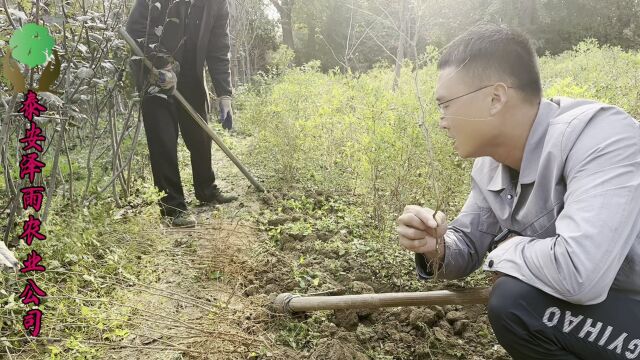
x=145, y=17
x=218, y=49
x=599, y=221
x=467, y=239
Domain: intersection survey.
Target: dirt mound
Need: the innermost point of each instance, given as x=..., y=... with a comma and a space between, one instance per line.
x=334, y=349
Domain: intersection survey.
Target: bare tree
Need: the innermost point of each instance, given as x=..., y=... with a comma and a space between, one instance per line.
x=285, y=10
x=402, y=36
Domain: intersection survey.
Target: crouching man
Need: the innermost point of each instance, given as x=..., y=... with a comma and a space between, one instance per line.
x=554, y=202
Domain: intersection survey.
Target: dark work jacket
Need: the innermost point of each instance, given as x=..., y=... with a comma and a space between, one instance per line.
x=212, y=43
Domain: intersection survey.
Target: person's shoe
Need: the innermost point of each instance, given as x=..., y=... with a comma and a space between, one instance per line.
x=183, y=219
x=215, y=196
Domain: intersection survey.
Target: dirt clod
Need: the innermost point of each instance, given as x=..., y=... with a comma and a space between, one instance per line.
x=347, y=319
x=422, y=316
x=460, y=326
x=359, y=287
x=454, y=316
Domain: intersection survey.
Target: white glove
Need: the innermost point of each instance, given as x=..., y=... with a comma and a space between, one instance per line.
x=226, y=112
x=7, y=258
x=166, y=78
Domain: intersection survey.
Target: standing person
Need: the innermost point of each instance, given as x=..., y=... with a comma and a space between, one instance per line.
x=178, y=37
x=554, y=201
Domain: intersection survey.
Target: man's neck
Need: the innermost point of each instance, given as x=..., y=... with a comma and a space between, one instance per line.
x=517, y=127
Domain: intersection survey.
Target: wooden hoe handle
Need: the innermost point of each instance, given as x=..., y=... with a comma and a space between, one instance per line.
x=289, y=303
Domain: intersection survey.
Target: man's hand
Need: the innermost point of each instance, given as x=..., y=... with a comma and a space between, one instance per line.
x=226, y=113
x=166, y=78
x=419, y=232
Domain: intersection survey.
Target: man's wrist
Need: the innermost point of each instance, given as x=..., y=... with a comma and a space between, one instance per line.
x=502, y=237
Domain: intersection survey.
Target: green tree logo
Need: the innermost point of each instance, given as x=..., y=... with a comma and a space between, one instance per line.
x=31, y=45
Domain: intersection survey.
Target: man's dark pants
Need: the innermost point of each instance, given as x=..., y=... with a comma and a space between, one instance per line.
x=162, y=118
x=531, y=324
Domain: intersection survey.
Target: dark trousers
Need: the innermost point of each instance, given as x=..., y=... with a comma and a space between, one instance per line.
x=531, y=324
x=162, y=118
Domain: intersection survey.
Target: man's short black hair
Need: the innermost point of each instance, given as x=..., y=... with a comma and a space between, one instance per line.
x=489, y=52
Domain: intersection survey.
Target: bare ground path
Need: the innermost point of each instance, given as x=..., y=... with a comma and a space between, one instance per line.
x=213, y=284
x=196, y=309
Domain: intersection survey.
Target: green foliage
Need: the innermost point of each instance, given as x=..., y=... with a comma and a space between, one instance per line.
x=354, y=141
x=84, y=253
x=351, y=135
x=344, y=134
x=280, y=60
x=347, y=155
x=604, y=73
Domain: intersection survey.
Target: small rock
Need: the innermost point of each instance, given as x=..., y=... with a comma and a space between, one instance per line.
x=289, y=246
x=403, y=315
x=406, y=338
x=460, y=326
x=259, y=315
x=297, y=236
x=454, y=316
x=440, y=334
x=364, y=313
x=389, y=348
x=449, y=308
x=423, y=352
x=421, y=316
x=290, y=284
x=251, y=290
x=360, y=276
x=261, y=299
x=358, y=287
x=333, y=349
x=278, y=220
x=394, y=335
x=439, y=311
x=365, y=333
x=347, y=319
x=328, y=328
x=347, y=337
x=271, y=288
x=444, y=325
x=311, y=238
x=270, y=298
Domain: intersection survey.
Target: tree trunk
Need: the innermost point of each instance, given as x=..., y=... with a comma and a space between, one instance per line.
x=311, y=39
x=233, y=10
x=287, y=23
x=401, y=43
x=528, y=13
x=285, y=8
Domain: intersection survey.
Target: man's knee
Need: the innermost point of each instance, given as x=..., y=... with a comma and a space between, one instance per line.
x=507, y=295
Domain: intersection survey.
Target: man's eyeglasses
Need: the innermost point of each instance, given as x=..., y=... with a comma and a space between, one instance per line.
x=463, y=95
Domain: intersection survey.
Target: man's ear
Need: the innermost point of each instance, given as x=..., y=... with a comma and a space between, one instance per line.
x=498, y=97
